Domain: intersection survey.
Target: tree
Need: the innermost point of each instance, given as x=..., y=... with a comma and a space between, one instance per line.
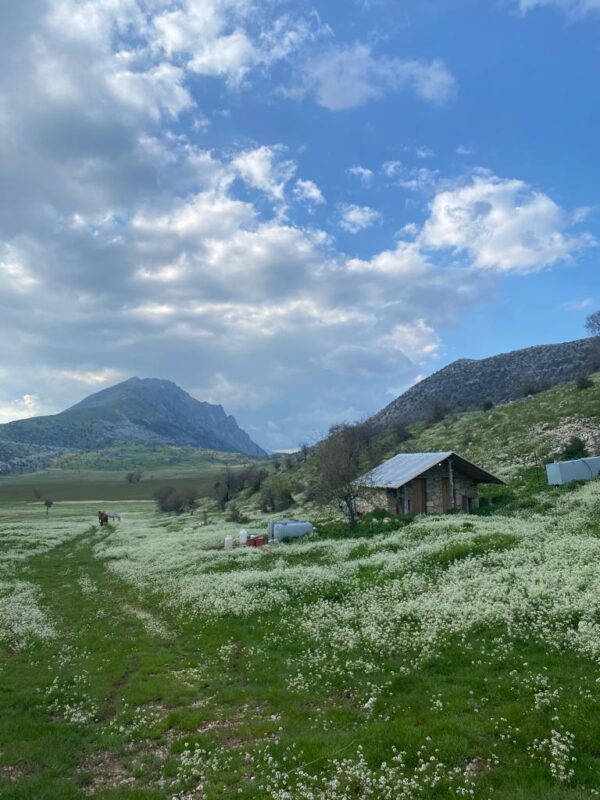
x=48, y=503
x=275, y=495
x=134, y=477
x=583, y=381
x=170, y=500
x=36, y=493
x=438, y=410
x=346, y=453
x=235, y=513
x=229, y=484
x=400, y=431
x=592, y=323
x=253, y=478
x=575, y=448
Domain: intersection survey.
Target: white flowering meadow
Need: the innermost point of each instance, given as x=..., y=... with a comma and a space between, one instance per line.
x=26, y=531
x=453, y=657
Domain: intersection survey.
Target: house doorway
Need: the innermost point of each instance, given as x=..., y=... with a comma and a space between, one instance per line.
x=419, y=496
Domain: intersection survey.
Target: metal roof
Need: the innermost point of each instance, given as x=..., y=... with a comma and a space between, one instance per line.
x=401, y=469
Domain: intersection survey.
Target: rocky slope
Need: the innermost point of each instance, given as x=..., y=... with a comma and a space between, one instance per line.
x=468, y=384
x=144, y=410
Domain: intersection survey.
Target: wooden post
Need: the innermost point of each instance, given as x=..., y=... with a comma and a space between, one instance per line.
x=451, y=482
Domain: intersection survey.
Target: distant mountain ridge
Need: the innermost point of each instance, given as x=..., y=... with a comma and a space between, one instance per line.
x=466, y=384
x=139, y=409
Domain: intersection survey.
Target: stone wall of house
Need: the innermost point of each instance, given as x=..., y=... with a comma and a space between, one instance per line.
x=435, y=497
x=372, y=499
x=463, y=485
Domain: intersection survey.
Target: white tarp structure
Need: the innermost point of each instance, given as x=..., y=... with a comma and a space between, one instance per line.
x=581, y=469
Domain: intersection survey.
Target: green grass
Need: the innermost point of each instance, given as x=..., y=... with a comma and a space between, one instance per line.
x=62, y=485
x=162, y=677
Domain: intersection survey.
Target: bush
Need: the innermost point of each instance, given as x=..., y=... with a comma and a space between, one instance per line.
x=275, y=496
x=438, y=410
x=400, y=432
x=235, y=514
x=487, y=405
x=170, y=500
x=584, y=381
x=531, y=387
x=134, y=477
x=575, y=448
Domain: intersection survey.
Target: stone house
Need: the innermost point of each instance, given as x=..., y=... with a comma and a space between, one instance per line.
x=422, y=483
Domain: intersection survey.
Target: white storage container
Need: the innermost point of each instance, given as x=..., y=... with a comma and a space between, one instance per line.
x=289, y=529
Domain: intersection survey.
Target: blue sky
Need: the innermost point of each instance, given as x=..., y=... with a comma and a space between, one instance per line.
x=292, y=209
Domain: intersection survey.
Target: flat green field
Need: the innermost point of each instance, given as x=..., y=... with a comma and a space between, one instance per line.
x=60, y=485
x=451, y=657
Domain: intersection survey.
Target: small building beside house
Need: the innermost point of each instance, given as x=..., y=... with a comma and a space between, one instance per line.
x=580, y=469
x=423, y=483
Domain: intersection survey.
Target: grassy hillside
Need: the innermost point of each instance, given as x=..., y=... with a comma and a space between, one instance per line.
x=523, y=433
x=147, y=457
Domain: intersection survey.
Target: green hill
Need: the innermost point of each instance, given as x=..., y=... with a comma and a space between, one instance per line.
x=506, y=438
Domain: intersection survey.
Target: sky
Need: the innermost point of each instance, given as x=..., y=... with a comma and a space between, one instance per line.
x=294, y=209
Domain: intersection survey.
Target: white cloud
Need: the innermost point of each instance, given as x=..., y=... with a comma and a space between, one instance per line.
x=263, y=168
x=424, y=152
x=406, y=260
x=418, y=340
x=156, y=91
x=391, y=168
x=574, y=8
x=229, y=38
x=308, y=192
x=26, y=406
x=419, y=180
x=345, y=77
x=91, y=377
x=415, y=179
x=230, y=56
x=578, y=305
x=362, y=173
x=355, y=218
x=14, y=274
x=501, y=224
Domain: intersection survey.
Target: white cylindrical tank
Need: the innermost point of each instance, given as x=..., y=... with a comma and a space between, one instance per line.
x=228, y=542
x=243, y=537
x=291, y=529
